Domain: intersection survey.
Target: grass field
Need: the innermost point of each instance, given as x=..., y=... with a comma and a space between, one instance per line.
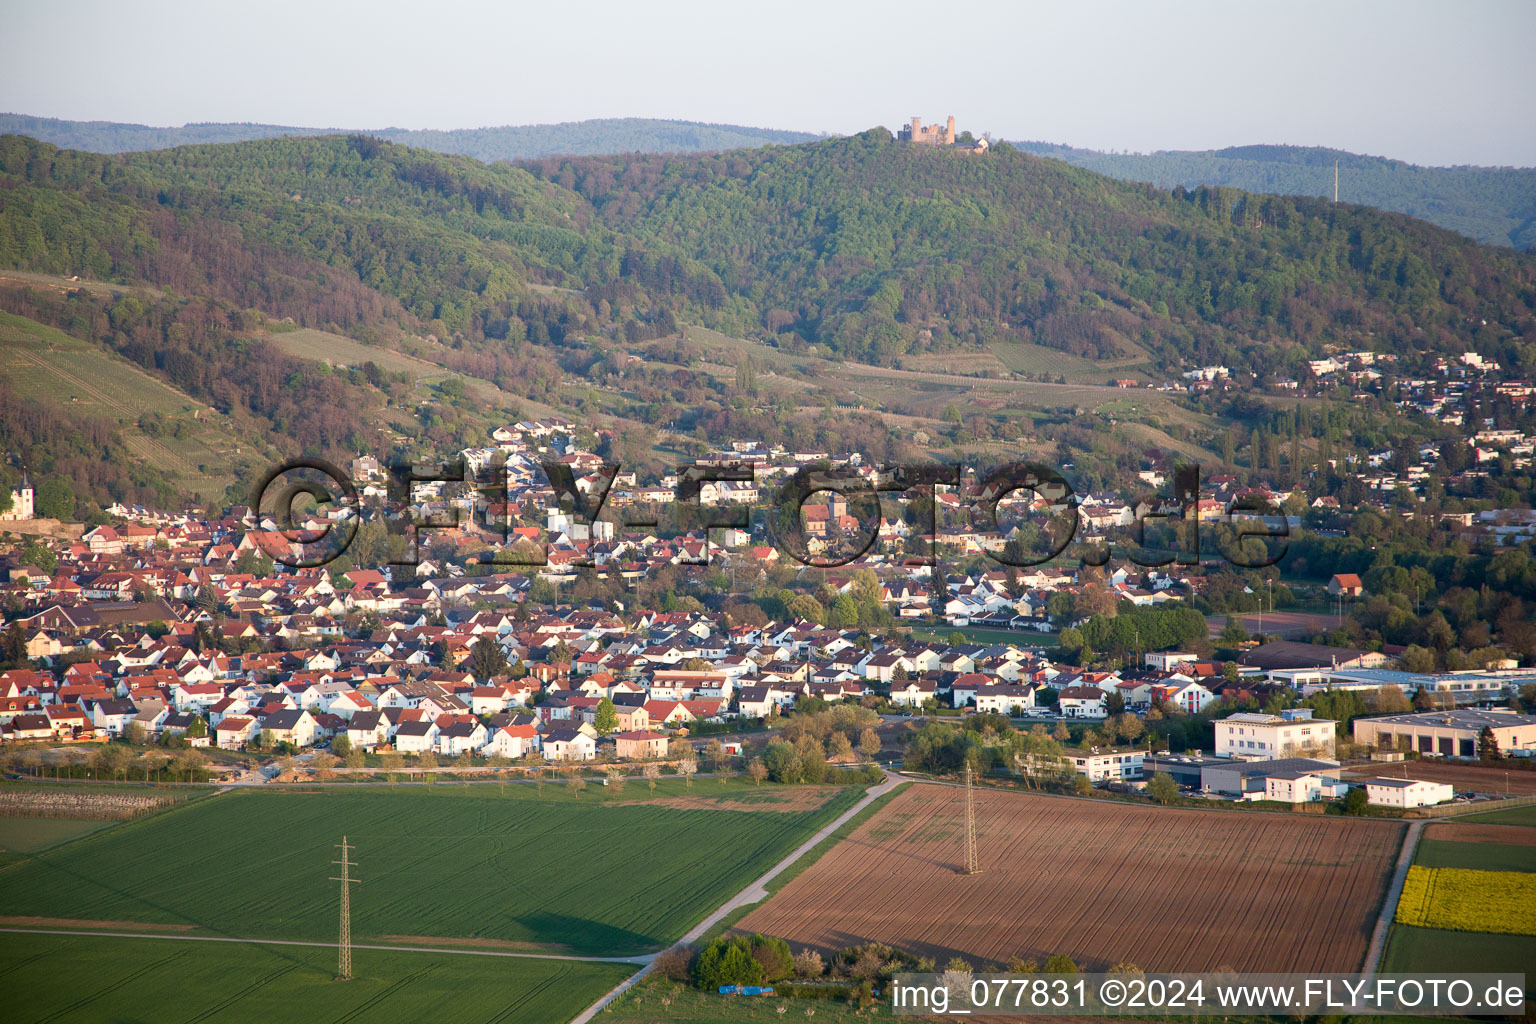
x=1435, y=853
x=25, y=836
x=45, y=363
x=1512, y=816
x=659, y=1001
x=600, y=874
x=1417, y=950
x=113, y=980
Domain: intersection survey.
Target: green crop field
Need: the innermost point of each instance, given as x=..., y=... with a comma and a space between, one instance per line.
x=1511, y=816
x=598, y=874
x=1439, y=853
x=87, y=979
x=1411, y=949
x=25, y=836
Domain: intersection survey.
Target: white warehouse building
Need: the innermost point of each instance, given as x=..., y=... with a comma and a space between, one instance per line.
x=1407, y=792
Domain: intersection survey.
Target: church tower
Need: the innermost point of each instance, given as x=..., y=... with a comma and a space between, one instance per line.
x=22, y=506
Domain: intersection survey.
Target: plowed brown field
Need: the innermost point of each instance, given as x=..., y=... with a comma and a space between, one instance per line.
x=1169, y=889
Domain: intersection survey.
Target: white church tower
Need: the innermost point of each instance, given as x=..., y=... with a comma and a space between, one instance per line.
x=21, y=501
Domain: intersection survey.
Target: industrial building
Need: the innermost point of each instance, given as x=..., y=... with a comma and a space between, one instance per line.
x=1451, y=733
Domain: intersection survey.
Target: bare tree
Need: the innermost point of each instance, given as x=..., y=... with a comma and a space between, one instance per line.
x=757, y=770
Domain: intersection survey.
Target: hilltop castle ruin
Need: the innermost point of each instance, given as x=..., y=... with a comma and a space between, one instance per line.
x=920, y=134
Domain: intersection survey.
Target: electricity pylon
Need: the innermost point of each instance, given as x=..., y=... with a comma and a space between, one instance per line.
x=344, y=964
x=971, y=867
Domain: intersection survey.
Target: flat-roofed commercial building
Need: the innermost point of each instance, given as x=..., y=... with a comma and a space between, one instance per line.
x=1256, y=737
x=1447, y=733
x=1407, y=792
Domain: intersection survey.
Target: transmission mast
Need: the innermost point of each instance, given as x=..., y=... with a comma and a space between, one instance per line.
x=344, y=943
x=971, y=867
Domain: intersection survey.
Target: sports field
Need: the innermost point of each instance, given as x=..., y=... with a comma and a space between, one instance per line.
x=598, y=874
x=101, y=980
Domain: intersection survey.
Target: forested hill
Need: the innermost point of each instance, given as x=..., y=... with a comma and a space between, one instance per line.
x=506, y=142
x=1496, y=205
x=862, y=248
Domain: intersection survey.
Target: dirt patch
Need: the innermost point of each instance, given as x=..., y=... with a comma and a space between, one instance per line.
x=73, y=922
x=1475, y=832
x=784, y=801
x=1170, y=889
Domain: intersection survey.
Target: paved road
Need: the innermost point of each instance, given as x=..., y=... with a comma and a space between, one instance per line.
x=1389, y=902
x=639, y=960
x=753, y=893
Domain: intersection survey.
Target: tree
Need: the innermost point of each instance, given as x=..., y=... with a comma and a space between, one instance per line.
x=728, y=962
x=652, y=772
x=1130, y=727
x=576, y=783
x=607, y=717
x=187, y=764
x=757, y=771
x=783, y=762
x=869, y=743
x=486, y=659
x=1416, y=659
x=615, y=775
x=714, y=753
x=1355, y=800
x=13, y=648
x=39, y=555
x=1488, y=745
x=1060, y=963
x=1422, y=701
x=1162, y=788
x=341, y=747
x=688, y=767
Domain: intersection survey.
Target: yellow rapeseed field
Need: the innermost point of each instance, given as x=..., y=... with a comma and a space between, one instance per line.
x=1469, y=901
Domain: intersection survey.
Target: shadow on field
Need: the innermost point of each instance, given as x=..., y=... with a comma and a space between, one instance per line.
x=589, y=938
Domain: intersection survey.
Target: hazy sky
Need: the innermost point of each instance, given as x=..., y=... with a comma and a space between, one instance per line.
x=1437, y=83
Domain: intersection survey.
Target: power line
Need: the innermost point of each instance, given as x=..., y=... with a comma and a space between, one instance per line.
x=344, y=942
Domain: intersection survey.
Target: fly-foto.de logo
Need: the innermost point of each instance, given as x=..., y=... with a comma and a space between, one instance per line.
x=1020, y=515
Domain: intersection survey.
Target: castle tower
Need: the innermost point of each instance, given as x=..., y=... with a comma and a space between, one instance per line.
x=949, y=131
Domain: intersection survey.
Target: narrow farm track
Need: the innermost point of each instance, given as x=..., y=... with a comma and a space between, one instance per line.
x=1394, y=892
x=1171, y=889
x=456, y=951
